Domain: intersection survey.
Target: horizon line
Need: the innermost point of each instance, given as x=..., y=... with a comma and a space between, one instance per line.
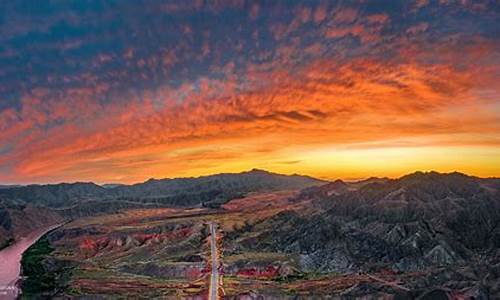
x=322, y=178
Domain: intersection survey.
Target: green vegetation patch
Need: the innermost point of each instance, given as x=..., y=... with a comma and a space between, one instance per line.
x=37, y=279
x=43, y=275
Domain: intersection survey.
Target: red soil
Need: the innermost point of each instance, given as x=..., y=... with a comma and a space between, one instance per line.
x=268, y=272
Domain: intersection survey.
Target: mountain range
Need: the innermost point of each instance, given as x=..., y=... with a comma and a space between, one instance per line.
x=72, y=200
x=440, y=233
x=167, y=191
x=446, y=227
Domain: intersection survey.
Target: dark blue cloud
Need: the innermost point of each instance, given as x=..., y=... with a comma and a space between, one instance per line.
x=51, y=44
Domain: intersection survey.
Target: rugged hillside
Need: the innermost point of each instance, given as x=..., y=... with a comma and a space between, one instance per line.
x=422, y=222
x=422, y=236
x=139, y=254
x=17, y=220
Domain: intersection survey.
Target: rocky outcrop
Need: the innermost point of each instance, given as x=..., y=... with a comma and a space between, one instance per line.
x=416, y=224
x=336, y=260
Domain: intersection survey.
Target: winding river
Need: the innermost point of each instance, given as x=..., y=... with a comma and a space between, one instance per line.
x=10, y=263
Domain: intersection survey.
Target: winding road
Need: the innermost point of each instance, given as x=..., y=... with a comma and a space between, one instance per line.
x=214, y=277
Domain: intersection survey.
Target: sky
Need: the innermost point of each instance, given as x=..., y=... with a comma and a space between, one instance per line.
x=123, y=91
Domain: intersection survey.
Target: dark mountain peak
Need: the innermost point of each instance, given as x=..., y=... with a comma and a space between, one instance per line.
x=417, y=176
x=258, y=170
x=373, y=178
x=9, y=186
x=420, y=187
x=370, y=180
x=324, y=190
x=431, y=175
x=78, y=183
x=430, y=180
x=253, y=171
x=338, y=183
x=62, y=184
x=112, y=185
x=336, y=187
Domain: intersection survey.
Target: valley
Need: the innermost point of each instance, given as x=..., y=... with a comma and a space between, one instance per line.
x=424, y=235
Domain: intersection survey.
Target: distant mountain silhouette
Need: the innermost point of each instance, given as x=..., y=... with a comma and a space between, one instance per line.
x=72, y=200
x=178, y=192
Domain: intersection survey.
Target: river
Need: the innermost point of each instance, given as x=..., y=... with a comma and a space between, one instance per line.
x=10, y=263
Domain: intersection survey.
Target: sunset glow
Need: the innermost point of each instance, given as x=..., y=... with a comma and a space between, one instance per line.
x=188, y=88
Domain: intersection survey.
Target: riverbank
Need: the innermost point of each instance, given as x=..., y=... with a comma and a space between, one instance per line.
x=10, y=260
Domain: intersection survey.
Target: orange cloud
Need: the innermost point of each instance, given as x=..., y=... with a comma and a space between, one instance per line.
x=323, y=103
x=306, y=94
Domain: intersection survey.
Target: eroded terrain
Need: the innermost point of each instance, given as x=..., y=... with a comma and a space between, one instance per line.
x=422, y=236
